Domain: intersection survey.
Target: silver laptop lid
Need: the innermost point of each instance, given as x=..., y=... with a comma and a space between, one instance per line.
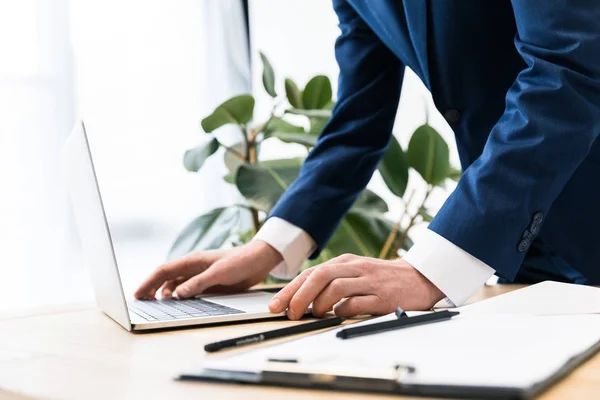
x=82, y=184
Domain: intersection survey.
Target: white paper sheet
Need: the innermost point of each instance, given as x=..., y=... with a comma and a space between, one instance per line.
x=494, y=351
x=546, y=298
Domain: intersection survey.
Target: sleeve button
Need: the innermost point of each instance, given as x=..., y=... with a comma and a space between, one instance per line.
x=452, y=116
x=523, y=245
x=536, y=223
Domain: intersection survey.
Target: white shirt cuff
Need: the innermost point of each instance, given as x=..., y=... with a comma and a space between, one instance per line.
x=455, y=272
x=292, y=242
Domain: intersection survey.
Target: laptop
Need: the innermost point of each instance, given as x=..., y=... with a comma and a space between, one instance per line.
x=98, y=250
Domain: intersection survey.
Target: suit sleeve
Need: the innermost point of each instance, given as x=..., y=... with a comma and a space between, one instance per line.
x=356, y=137
x=551, y=120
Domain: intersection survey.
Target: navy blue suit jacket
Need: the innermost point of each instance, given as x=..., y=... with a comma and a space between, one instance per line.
x=518, y=81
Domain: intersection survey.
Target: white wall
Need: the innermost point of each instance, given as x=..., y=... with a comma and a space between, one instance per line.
x=37, y=108
x=146, y=82
x=142, y=73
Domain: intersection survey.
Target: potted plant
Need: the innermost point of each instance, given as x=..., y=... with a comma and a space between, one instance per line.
x=365, y=230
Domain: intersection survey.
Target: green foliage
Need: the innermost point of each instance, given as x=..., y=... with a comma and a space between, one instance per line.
x=193, y=159
x=264, y=183
x=364, y=230
x=230, y=178
x=454, y=174
x=281, y=125
x=394, y=168
x=237, y=110
x=268, y=76
x=317, y=93
x=294, y=95
x=369, y=201
x=429, y=155
x=300, y=138
x=317, y=125
x=320, y=114
x=426, y=215
x=232, y=157
x=361, y=232
x=208, y=231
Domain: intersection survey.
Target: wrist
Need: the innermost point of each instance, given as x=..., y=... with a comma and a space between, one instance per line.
x=268, y=255
x=434, y=294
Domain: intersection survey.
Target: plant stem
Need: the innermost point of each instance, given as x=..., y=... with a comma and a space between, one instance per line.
x=246, y=143
x=255, y=221
x=390, y=239
x=252, y=158
x=404, y=236
x=233, y=151
x=411, y=223
x=263, y=126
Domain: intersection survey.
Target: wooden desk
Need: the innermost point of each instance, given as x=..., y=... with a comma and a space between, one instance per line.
x=79, y=353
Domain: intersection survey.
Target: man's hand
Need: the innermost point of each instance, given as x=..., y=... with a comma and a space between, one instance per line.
x=369, y=285
x=221, y=271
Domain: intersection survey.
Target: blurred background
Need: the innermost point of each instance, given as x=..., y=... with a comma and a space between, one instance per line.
x=142, y=74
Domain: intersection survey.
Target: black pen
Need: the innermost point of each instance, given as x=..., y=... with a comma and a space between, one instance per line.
x=274, y=334
x=399, y=323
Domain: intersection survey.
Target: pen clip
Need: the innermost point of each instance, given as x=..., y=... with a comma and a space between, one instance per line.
x=328, y=374
x=400, y=313
x=402, y=371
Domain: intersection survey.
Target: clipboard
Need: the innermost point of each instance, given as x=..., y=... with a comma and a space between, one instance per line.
x=388, y=379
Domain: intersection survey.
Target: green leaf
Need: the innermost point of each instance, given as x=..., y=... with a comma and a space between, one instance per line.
x=317, y=93
x=268, y=76
x=229, y=178
x=304, y=139
x=281, y=125
x=427, y=217
x=322, y=114
x=237, y=110
x=289, y=133
x=194, y=158
x=231, y=160
x=317, y=125
x=263, y=184
x=454, y=174
x=428, y=153
x=247, y=236
x=294, y=95
x=208, y=231
x=329, y=105
x=362, y=233
x=394, y=168
x=369, y=201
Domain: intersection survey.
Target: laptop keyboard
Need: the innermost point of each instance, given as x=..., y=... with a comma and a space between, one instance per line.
x=170, y=309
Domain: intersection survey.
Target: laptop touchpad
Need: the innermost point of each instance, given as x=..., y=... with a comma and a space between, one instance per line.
x=250, y=302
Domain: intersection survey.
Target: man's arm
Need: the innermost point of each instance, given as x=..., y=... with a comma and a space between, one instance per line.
x=356, y=137
x=344, y=159
x=293, y=243
x=451, y=269
x=551, y=120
